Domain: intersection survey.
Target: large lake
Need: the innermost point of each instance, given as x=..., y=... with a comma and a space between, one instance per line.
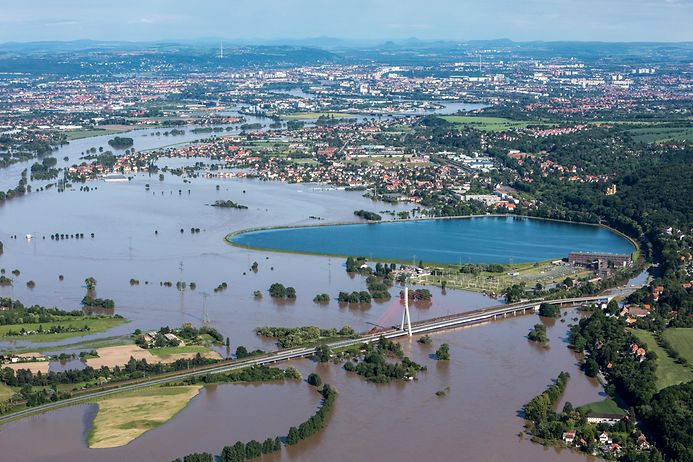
x=473, y=240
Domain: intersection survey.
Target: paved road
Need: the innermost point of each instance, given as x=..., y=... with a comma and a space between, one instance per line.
x=447, y=322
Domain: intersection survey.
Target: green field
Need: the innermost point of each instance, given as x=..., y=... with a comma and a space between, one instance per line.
x=660, y=134
x=489, y=124
x=5, y=392
x=95, y=325
x=681, y=340
x=669, y=372
x=530, y=274
x=84, y=345
x=168, y=351
x=79, y=134
x=608, y=406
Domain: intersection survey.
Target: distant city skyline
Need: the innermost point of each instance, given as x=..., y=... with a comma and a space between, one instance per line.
x=369, y=20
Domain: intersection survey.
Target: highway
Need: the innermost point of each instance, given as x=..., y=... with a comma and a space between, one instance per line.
x=442, y=323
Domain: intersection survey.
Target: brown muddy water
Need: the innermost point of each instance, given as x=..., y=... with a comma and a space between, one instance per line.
x=124, y=218
x=494, y=370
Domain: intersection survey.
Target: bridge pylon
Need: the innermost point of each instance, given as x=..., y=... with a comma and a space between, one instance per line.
x=405, y=313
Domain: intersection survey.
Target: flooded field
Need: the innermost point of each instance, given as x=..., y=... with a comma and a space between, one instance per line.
x=144, y=233
x=493, y=371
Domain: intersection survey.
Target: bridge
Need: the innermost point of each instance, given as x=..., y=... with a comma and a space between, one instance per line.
x=420, y=327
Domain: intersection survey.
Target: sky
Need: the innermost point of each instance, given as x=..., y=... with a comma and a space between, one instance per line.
x=373, y=20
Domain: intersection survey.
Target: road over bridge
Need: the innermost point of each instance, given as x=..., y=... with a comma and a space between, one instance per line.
x=437, y=324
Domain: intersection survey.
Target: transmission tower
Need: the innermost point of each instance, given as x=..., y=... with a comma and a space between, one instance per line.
x=205, y=314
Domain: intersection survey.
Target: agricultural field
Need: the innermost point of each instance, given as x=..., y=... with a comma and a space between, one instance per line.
x=95, y=324
x=681, y=340
x=124, y=417
x=608, y=406
x=83, y=345
x=654, y=134
x=669, y=372
x=112, y=356
x=5, y=392
x=79, y=134
x=490, y=124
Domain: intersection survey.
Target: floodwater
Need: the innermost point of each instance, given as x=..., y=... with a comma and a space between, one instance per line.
x=468, y=240
x=124, y=218
x=493, y=371
x=220, y=415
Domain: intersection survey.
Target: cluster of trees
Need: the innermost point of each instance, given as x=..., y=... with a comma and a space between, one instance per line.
x=366, y=215
x=323, y=353
x=98, y=302
x=45, y=170
x=443, y=353
x=277, y=290
x=315, y=380
x=608, y=345
x=317, y=421
x=514, y=293
x=242, y=352
x=258, y=373
x=356, y=265
x=418, y=295
x=375, y=367
x=476, y=269
x=354, y=297
x=196, y=457
x=539, y=409
x=90, y=283
x=228, y=205
x=549, y=310
x=321, y=299
x=378, y=286
x=57, y=237
x=378, y=280
x=289, y=337
x=121, y=142
x=253, y=449
x=240, y=451
x=669, y=417
x=14, y=312
x=538, y=333
x=58, y=329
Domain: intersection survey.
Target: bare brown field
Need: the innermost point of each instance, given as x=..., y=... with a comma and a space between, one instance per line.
x=120, y=355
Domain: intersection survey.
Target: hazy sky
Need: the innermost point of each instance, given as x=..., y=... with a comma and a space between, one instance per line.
x=609, y=20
